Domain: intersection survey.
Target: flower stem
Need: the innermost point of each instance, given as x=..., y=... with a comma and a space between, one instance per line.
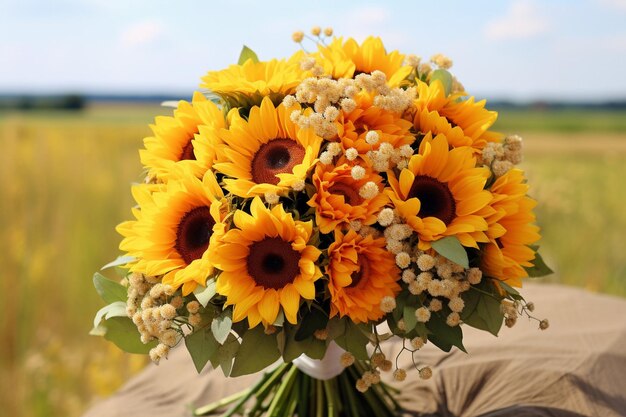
x=242, y=397
x=283, y=394
x=347, y=385
x=330, y=399
x=210, y=408
x=273, y=376
x=378, y=407
x=303, y=394
x=319, y=403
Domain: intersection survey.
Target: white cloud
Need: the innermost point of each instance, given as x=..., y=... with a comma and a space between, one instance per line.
x=523, y=20
x=370, y=15
x=141, y=33
x=363, y=21
x=615, y=44
x=615, y=4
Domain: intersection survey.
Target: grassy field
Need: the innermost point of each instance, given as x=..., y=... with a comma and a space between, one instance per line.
x=65, y=185
x=562, y=121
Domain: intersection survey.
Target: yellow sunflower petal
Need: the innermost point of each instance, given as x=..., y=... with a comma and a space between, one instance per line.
x=290, y=300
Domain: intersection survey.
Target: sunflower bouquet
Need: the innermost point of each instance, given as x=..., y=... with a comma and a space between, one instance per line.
x=303, y=211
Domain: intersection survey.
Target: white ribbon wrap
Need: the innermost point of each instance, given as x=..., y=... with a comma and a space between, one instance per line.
x=325, y=368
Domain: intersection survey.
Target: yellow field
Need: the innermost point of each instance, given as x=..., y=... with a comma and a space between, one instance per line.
x=64, y=183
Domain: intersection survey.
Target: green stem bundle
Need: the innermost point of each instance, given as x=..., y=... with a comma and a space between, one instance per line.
x=287, y=391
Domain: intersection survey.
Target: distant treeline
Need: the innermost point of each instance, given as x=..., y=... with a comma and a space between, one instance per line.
x=51, y=102
x=558, y=105
x=80, y=101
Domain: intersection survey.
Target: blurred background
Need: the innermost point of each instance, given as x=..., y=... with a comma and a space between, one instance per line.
x=80, y=80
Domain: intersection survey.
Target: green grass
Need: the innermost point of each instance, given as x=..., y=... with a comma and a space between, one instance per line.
x=65, y=185
x=562, y=121
x=509, y=120
x=99, y=114
x=582, y=217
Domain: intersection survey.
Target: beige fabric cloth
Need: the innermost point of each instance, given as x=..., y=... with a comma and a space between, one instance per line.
x=575, y=368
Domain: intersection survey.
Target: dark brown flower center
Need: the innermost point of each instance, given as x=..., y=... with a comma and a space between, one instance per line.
x=273, y=263
x=350, y=195
x=435, y=198
x=187, y=152
x=277, y=156
x=361, y=273
x=193, y=234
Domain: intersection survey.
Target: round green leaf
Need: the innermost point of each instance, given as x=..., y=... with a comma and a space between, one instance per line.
x=450, y=247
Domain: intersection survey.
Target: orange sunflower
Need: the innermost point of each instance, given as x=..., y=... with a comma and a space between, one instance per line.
x=441, y=193
x=175, y=142
x=266, y=153
x=267, y=263
x=337, y=201
x=511, y=230
x=176, y=230
x=353, y=127
x=361, y=272
x=246, y=84
x=464, y=122
x=347, y=59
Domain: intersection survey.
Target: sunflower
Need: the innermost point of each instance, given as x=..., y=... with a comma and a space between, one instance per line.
x=266, y=153
x=173, y=143
x=176, y=230
x=349, y=59
x=361, y=272
x=464, y=122
x=246, y=84
x=266, y=263
x=337, y=201
x=353, y=127
x=441, y=193
x=511, y=230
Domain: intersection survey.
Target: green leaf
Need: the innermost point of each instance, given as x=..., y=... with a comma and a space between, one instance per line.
x=410, y=321
x=354, y=341
x=204, y=294
x=257, y=351
x=510, y=290
x=201, y=346
x=99, y=330
x=116, y=309
x=445, y=77
x=470, y=298
x=123, y=332
x=221, y=325
x=225, y=354
x=281, y=340
x=312, y=347
x=421, y=330
x=121, y=260
x=280, y=319
x=314, y=320
x=336, y=328
x=401, y=301
x=444, y=336
x=450, y=247
x=539, y=269
x=246, y=54
x=482, y=311
x=110, y=291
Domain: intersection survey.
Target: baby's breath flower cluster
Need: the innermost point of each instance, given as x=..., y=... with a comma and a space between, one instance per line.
x=328, y=98
x=513, y=309
x=502, y=157
x=312, y=199
x=159, y=312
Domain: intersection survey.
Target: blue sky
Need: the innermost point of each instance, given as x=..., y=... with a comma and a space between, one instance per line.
x=518, y=49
